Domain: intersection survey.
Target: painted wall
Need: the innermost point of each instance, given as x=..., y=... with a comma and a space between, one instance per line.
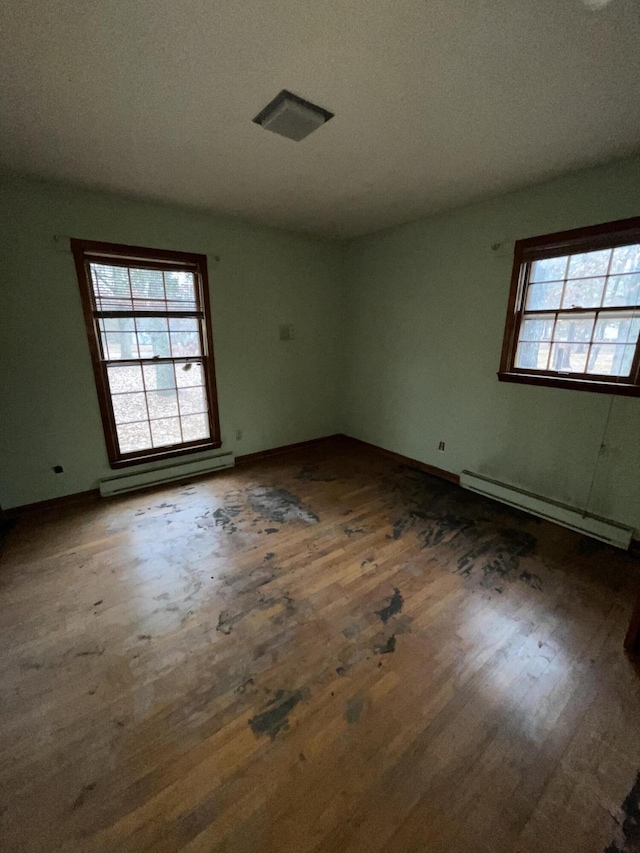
x=276, y=392
x=426, y=312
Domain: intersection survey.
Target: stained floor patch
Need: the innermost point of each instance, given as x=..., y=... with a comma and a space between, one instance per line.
x=353, y=709
x=275, y=718
x=280, y=506
x=394, y=607
x=631, y=824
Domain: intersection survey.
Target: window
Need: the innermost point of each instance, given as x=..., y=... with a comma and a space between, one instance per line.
x=149, y=328
x=574, y=310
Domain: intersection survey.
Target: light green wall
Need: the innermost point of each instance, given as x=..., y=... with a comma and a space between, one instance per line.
x=276, y=392
x=426, y=311
x=398, y=339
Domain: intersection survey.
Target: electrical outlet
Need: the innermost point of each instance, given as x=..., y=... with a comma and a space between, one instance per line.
x=238, y=435
x=441, y=445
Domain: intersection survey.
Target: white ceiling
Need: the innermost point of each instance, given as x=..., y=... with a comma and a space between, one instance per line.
x=436, y=102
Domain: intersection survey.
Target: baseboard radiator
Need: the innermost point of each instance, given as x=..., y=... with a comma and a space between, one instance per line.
x=155, y=476
x=590, y=525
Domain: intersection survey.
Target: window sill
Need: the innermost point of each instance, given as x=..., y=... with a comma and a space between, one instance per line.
x=141, y=459
x=619, y=388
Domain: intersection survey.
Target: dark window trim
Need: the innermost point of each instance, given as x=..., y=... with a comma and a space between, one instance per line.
x=86, y=251
x=605, y=236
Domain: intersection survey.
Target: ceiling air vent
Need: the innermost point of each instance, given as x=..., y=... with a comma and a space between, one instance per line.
x=291, y=116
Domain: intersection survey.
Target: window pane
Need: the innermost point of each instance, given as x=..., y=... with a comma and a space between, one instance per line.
x=162, y=404
x=181, y=291
x=195, y=427
x=157, y=376
x=574, y=328
x=536, y=328
x=185, y=343
x=589, y=263
x=147, y=288
x=154, y=344
x=569, y=357
x=532, y=356
x=622, y=290
x=626, y=259
x=544, y=297
x=126, y=378
x=583, y=293
x=620, y=330
x=118, y=338
x=111, y=288
x=119, y=345
x=151, y=324
x=133, y=437
x=192, y=400
x=189, y=373
x=549, y=269
x=611, y=359
x=166, y=431
x=129, y=407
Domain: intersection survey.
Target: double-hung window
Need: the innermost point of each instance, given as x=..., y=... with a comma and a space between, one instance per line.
x=574, y=310
x=149, y=328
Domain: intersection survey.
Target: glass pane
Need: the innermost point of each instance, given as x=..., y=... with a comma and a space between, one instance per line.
x=569, y=357
x=111, y=287
x=162, y=404
x=157, y=376
x=119, y=345
x=133, y=437
x=126, y=378
x=192, y=400
x=184, y=324
x=536, y=329
x=147, y=288
x=117, y=324
x=154, y=344
x=574, y=328
x=185, y=343
x=549, y=269
x=583, y=293
x=589, y=263
x=610, y=359
x=189, y=374
x=532, y=356
x=195, y=427
x=151, y=324
x=627, y=361
x=620, y=330
x=181, y=290
x=129, y=407
x=626, y=259
x=622, y=290
x=166, y=431
x=544, y=297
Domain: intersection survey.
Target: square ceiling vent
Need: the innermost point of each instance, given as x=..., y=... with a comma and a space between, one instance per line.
x=291, y=116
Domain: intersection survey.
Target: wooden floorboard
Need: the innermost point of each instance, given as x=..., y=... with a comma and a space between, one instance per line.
x=320, y=651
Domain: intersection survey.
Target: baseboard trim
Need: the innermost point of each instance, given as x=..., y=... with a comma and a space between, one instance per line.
x=406, y=460
x=248, y=458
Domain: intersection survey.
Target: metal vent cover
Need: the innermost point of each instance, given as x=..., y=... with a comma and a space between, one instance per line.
x=291, y=116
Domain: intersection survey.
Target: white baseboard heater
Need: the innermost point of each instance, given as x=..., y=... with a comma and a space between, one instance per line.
x=590, y=525
x=165, y=474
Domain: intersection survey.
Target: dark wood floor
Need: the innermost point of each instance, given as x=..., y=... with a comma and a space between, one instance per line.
x=325, y=651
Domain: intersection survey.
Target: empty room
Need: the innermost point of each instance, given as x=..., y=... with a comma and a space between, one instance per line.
x=320, y=426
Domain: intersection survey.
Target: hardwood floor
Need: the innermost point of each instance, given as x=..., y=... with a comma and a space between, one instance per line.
x=323, y=651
